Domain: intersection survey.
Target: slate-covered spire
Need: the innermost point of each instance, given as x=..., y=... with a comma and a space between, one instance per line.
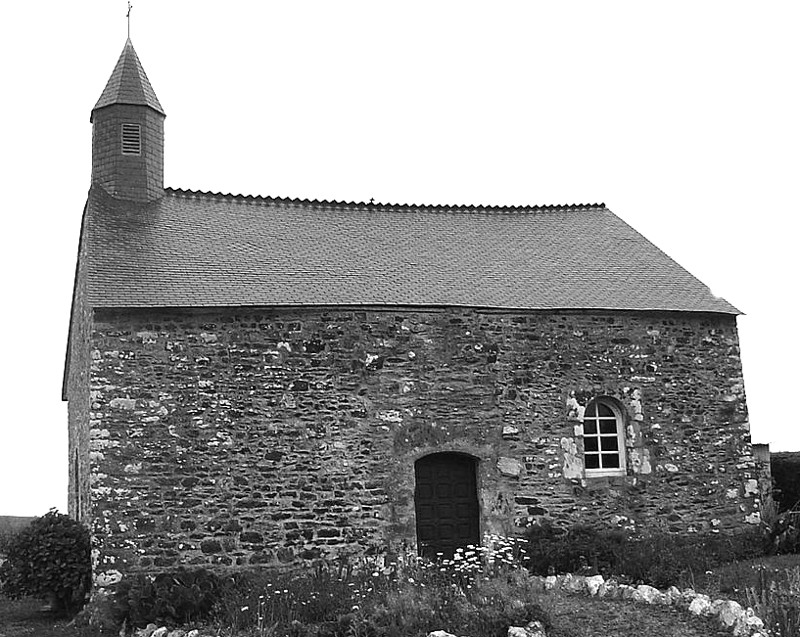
x=128, y=133
x=128, y=84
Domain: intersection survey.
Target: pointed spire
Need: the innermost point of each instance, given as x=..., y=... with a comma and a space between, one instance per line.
x=128, y=84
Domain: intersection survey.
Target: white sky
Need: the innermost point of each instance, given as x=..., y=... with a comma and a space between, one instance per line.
x=682, y=117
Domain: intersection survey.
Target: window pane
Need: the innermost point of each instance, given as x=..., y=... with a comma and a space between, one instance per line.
x=590, y=444
x=604, y=410
x=608, y=443
x=592, y=461
x=610, y=460
x=608, y=426
x=589, y=427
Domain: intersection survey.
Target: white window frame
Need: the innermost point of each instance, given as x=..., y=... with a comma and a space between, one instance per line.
x=591, y=415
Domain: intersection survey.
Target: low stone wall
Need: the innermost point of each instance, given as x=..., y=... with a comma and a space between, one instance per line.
x=742, y=622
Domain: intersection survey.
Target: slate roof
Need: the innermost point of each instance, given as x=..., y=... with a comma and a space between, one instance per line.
x=194, y=249
x=128, y=83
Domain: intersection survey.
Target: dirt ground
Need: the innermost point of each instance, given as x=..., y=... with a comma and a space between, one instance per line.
x=28, y=617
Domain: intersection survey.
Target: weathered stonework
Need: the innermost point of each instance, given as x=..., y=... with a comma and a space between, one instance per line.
x=245, y=437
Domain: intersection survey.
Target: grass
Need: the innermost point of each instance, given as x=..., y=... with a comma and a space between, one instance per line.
x=27, y=616
x=570, y=616
x=735, y=579
x=10, y=524
x=573, y=616
x=770, y=585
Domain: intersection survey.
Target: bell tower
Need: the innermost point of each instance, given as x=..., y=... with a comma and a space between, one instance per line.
x=128, y=134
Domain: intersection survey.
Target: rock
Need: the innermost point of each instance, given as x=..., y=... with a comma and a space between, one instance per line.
x=646, y=594
x=701, y=605
x=674, y=594
x=193, y=633
x=574, y=583
x=625, y=591
x=532, y=629
x=147, y=631
x=550, y=582
x=650, y=595
x=440, y=633
x=608, y=589
x=160, y=632
x=594, y=583
x=753, y=623
x=177, y=633
x=509, y=467
x=729, y=613
x=686, y=598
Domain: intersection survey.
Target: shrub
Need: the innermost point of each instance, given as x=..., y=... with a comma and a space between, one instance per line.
x=658, y=559
x=174, y=598
x=580, y=549
x=784, y=532
x=49, y=559
x=785, y=468
x=777, y=601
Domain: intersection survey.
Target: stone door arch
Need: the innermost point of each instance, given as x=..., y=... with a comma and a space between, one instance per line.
x=446, y=503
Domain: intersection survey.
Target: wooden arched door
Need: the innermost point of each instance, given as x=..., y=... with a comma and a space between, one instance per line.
x=446, y=503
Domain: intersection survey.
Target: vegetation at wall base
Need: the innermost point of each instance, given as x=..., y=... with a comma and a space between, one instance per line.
x=480, y=593
x=657, y=559
x=177, y=597
x=775, y=598
x=49, y=559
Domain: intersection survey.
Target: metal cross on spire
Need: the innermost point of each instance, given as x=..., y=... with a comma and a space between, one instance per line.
x=128, y=15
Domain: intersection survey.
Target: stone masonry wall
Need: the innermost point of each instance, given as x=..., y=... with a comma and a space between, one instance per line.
x=76, y=391
x=246, y=437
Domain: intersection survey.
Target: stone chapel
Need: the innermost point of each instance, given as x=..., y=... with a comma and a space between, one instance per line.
x=263, y=381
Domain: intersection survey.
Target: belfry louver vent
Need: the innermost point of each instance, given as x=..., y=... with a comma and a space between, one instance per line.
x=131, y=139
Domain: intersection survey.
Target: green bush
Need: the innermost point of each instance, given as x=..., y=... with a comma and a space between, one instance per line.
x=776, y=599
x=49, y=559
x=658, y=559
x=174, y=598
x=784, y=532
x=580, y=549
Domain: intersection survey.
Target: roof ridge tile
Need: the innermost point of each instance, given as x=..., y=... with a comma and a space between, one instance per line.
x=376, y=205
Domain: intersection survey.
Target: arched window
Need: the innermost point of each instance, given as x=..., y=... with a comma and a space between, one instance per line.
x=603, y=439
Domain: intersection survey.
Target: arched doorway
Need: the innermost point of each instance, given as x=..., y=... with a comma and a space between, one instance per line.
x=446, y=503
